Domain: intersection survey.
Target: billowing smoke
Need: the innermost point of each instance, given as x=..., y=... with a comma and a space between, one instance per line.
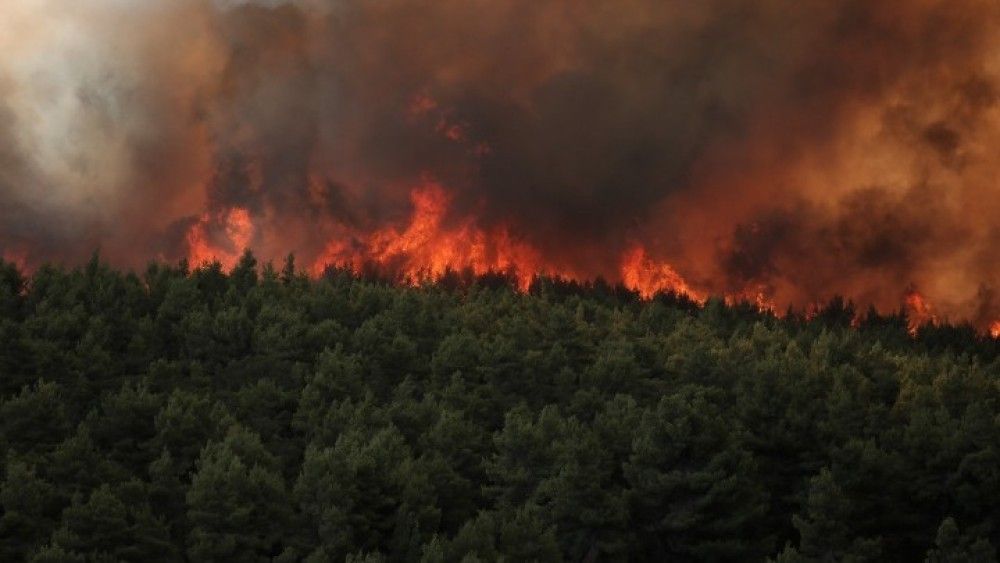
x=789, y=149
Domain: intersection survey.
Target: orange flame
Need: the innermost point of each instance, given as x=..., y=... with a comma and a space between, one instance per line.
x=430, y=245
x=238, y=232
x=427, y=247
x=432, y=242
x=755, y=295
x=649, y=277
x=918, y=310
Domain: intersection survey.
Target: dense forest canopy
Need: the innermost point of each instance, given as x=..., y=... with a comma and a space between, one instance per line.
x=259, y=414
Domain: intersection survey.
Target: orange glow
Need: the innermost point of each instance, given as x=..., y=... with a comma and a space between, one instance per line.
x=918, y=310
x=758, y=296
x=649, y=277
x=795, y=169
x=451, y=131
x=444, y=123
x=237, y=232
x=430, y=245
x=421, y=105
x=427, y=247
x=995, y=329
x=17, y=257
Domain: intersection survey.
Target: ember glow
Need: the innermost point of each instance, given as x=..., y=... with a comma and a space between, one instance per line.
x=649, y=277
x=426, y=248
x=780, y=152
x=221, y=237
x=18, y=259
x=918, y=311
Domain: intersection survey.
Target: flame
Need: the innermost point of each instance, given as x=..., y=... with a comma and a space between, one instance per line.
x=757, y=295
x=882, y=172
x=649, y=277
x=237, y=232
x=995, y=329
x=430, y=245
x=918, y=310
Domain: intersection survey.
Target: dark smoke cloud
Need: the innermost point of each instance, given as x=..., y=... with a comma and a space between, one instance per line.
x=809, y=147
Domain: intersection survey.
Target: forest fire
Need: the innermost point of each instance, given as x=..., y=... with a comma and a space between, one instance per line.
x=499, y=280
x=221, y=237
x=919, y=312
x=425, y=249
x=666, y=146
x=431, y=244
x=18, y=259
x=648, y=277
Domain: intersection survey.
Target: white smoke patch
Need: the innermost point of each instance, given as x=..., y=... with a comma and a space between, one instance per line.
x=88, y=87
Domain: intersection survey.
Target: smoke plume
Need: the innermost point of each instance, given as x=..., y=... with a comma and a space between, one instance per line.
x=781, y=150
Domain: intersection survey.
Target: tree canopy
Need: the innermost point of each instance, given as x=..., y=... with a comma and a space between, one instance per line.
x=256, y=415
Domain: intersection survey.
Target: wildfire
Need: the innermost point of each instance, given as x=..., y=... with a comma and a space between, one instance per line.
x=758, y=295
x=221, y=237
x=649, y=277
x=433, y=241
x=430, y=245
x=919, y=310
x=17, y=257
x=423, y=108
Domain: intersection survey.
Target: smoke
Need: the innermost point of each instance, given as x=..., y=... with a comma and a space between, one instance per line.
x=792, y=148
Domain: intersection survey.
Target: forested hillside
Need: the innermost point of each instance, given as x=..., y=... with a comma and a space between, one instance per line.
x=261, y=415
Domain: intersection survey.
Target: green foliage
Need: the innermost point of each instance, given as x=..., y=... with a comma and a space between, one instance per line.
x=30, y=510
x=953, y=547
x=237, y=503
x=692, y=490
x=260, y=415
x=34, y=421
x=115, y=524
x=366, y=492
x=56, y=554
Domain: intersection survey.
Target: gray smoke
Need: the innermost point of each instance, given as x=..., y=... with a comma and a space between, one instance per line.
x=802, y=147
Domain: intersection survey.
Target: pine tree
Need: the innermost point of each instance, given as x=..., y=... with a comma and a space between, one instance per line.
x=34, y=421
x=237, y=503
x=31, y=509
x=363, y=492
x=115, y=525
x=953, y=547
x=692, y=490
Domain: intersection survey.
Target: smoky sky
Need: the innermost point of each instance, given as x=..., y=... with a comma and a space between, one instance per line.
x=804, y=147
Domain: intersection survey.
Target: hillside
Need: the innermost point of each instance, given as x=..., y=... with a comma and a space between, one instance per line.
x=260, y=414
